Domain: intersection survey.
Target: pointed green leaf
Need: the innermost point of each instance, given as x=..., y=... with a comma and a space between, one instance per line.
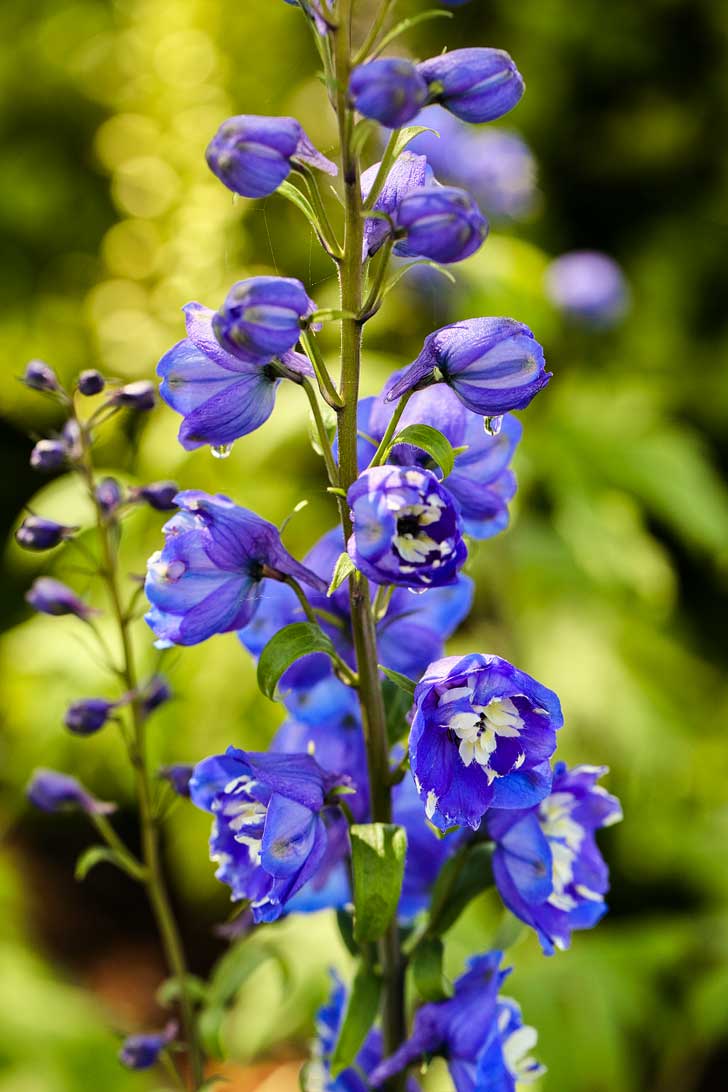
x=401, y=681
x=377, y=862
x=431, y=440
x=407, y=24
x=344, y=568
x=428, y=973
x=294, y=195
x=95, y=855
x=360, y=1014
x=284, y=648
x=399, y=273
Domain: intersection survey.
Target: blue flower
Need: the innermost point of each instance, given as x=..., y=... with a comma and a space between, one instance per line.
x=49, y=596
x=481, y=737
x=407, y=530
x=137, y=396
x=547, y=866
x=262, y=317
x=143, y=1051
x=269, y=837
x=88, y=715
x=439, y=222
x=474, y=84
x=588, y=286
x=480, y=1034
x=90, y=382
x=39, y=376
x=36, y=533
x=494, y=365
x=410, y=635
x=109, y=495
x=410, y=172
x=481, y=483
x=208, y=577
x=158, y=495
x=252, y=154
x=220, y=396
x=52, y=791
x=390, y=90
x=178, y=774
x=156, y=692
x=48, y=455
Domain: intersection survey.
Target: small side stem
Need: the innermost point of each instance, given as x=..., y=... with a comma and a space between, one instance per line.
x=375, y=30
x=386, y=440
x=325, y=382
x=384, y=169
x=322, y=433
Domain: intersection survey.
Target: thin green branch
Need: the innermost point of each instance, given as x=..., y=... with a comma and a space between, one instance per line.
x=321, y=432
x=381, y=453
x=326, y=384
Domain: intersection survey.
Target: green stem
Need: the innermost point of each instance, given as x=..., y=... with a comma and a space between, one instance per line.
x=374, y=301
x=331, y=243
x=154, y=880
x=325, y=382
x=384, y=169
x=322, y=433
x=376, y=27
x=381, y=452
x=363, y=631
x=112, y=839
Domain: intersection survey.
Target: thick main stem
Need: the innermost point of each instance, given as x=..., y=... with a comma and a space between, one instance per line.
x=153, y=877
x=370, y=691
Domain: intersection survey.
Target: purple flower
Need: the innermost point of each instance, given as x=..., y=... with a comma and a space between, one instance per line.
x=158, y=495
x=48, y=455
x=36, y=533
x=547, y=866
x=91, y=382
x=481, y=483
x=439, y=222
x=494, y=365
x=252, y=154
x=588, y=286
x=143, y=1051
x=52, y=791
x=109, y=495
x=88, y=715
x=410, y=635
x=219, y=396
x=389, y=90
x=49, y=596
x=208, y=577
x=39, y=376
x=262, y=317
x=474, y=84
x=137, y=396
x=481, y=737
x=409, y=173
x=178, y=775
x=268, y=835
x=480, y=1034
x=407, y=530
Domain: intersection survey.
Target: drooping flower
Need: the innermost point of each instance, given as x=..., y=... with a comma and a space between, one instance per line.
x=411, y=633
x=178, y=774
x=220, y=396
x=138, y=396
x=252, y=154
x=156, y=692
x=90, y=382
x=547, y=866
x=481, y=737
x=109, y=495
x=407, y=530
x=207, y=579
x=52, y=791
x=158, y=495
x=39, y=376
x=88, y=715
x=475, y=84
x=481, y=1035
x=48, y=455
x=409, y=174
x=390, y=90
x=49, y=596
x=36, y=533
x=143, y=1051
x=588, y=286
x=269, y=836
x=442, y=223
x=317, y=11
x=262, y=317
x=494, y=365
x=481, y=483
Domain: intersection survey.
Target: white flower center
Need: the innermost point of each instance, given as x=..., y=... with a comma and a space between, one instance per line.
x=565, y=837
x=516, y=1057
x=411, y=541
x=480, y=729
x=243, y=815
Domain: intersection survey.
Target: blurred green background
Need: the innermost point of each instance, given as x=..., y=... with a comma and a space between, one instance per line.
x=610, y=586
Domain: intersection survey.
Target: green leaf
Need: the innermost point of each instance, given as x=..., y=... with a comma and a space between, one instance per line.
x=400, y=681
x=294, y=195
x=345, y=923
x=209, y=1028
x=288, y=645
x=431, y=440
x=397, y=276
x=344, y=568
x=407, y=24
x=360, y=1014
x=95, y=855
x=169, y=992
x=461, y=878
x=427, y=970
x=377, y=862
x=233, y=969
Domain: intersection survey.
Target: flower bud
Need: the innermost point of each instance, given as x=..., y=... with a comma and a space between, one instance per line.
x=253, y=154
x=410, y=172
x=155, y=693
x=178, y=776
x=475, y=84
x=48, y=455
x=88, y=715
x=389, y=90
x=137, y=396
x=142, y=1051
x=91, y=382
x=52, y=791
x=109, y=495
x=36, y=533
x=49, y=596
x=262, y=317
x=440, y=222
x=40, y=377
x=159, y=495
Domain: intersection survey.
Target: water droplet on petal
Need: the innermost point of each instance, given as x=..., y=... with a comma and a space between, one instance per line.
x=492, y=425
x=221, y=451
